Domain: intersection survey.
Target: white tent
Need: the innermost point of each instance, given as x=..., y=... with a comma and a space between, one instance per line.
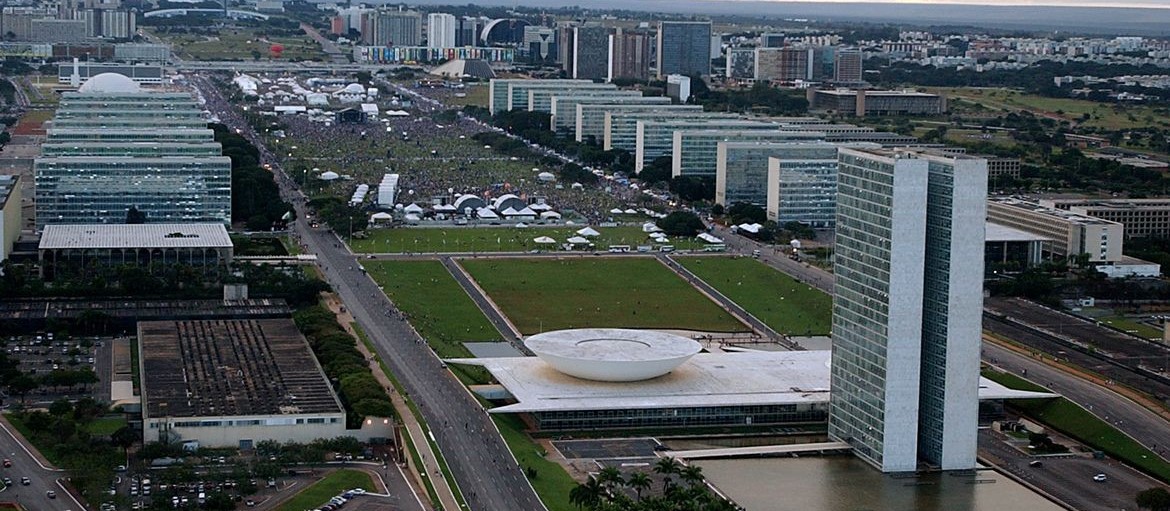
x=546, y=177
x=631, y=211
x=521, y=225
x=550, y=214
x=588, y=232
x=751, y=228
x=328, y=176
x=540, y=206
x=413, y=208
x=651, y=227
x=709, y=238
x=616, y=211
x=577, y=186
x=577, y=240
x=381, y=216
x=544, y=240
x=657, y=236
x=486, y=213
x=411, y=218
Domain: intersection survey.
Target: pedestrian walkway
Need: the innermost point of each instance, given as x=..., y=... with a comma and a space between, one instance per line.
x=418, y=436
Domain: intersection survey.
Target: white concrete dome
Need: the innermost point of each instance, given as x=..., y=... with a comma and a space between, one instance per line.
x=612, y=354
x=109, y=82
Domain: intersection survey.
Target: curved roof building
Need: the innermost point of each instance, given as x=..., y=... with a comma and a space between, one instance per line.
x=109, y=83
x=612, y=354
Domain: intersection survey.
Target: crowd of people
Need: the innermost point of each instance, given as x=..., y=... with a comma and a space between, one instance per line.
x=432, y=150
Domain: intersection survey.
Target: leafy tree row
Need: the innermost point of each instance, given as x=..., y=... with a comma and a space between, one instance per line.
x=345, y=366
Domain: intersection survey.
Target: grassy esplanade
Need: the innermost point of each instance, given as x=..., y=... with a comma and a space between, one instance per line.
x=542, y=295
x=321, y=491
x=438, y=308
x=498, y=239
x=780, y=301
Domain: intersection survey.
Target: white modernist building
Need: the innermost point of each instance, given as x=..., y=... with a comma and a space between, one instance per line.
x=440, y=30
x=907, y=307
x=704, y=389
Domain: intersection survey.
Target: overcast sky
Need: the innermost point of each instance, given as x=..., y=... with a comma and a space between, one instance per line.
x=1165, y=4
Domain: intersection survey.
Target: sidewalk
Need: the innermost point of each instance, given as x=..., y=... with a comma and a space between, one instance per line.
x=447, y=498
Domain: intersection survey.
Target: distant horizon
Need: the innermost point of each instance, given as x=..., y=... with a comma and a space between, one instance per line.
x=1124, y=4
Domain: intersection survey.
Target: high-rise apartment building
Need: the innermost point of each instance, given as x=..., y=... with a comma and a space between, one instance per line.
x=393, y=28
x=847, y=65
x=684, y=48
x=907, y=307
x=786, y=64
x=468, y=29
x=741, y=64
x=591, y=53
x=631, y=55
x=441, y=29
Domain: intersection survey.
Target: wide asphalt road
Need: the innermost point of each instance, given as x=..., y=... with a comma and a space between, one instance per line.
x=41, y=479
x=484, y=469
x=1129, y=417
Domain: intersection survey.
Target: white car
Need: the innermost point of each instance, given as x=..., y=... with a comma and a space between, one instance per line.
x=1100, y=478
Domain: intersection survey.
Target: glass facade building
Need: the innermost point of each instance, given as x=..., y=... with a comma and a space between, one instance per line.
x=802, y=185
x=540, y=99
x=695, y=152
x=621, y=128
x=684, y=48
x=907, y=307
x=109, y=151
x=512, y=93
x=656, y=138
x=564, y=107
x=591, y=118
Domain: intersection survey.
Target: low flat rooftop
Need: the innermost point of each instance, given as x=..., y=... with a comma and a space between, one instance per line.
x=7, y=184
x=207, y=368
x=106, y=236
x=706, y=380
x=999, y=232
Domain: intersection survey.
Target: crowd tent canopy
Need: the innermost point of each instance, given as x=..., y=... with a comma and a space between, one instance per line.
x=750, y=228
x=616, y=211
x=550, y=214
x=588, y=232
x=577, y=240
x=381, y=216
x=413, y=208
x=486, y=213
x=651, y=227
x=709, y=238
x=396, y=113
x=543, y=240
x=328, y=176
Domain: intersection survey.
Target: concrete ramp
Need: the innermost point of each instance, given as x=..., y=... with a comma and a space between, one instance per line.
x=761, y=450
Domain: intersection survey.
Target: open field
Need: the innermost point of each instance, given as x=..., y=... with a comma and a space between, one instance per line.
x=1072, y=420
x=553, y=294
x=1132, y=326
x=1107, y=116
x=552, y=483
x=321, y=491
x=437, y=307
x=780, y=301
x=497, y=239
x=242, y=44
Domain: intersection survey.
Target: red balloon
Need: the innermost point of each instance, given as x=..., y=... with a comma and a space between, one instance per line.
x=276, y=50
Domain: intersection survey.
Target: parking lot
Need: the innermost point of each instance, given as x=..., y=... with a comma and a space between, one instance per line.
x=69, y=367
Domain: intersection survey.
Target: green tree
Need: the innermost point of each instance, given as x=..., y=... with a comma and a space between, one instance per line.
x=124, y=437
x=587, y=494
x=135, y=216
x=1154, y=499
x=639, y=481
x=681, y=223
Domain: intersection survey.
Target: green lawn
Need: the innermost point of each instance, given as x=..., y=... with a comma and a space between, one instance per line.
x=546, y=294
x=780, y=301
x=552, y=483
x=1102, y=115
x=1072, y=420
x=332, y=485
x=1132, y=326
x=243, y=44
x=497, y=239
x=437, y=307
x=106, y=426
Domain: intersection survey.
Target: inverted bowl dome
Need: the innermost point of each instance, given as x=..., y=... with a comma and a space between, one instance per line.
x=612, y=354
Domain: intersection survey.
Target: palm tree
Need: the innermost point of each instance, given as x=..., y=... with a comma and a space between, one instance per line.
x=610, y=478
x=639, y=481
x=586, y=494
x=692, y=474
x=667, y=467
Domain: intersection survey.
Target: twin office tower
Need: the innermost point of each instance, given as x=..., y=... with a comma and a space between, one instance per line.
x=908, y=307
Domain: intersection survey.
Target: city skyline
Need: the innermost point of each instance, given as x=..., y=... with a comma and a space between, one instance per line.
x=1129, y=4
